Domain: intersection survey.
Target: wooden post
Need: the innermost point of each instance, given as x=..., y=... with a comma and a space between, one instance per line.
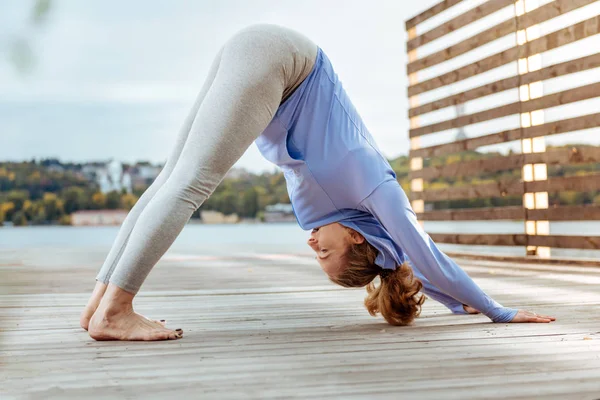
x=530, y=91
x=416, y=163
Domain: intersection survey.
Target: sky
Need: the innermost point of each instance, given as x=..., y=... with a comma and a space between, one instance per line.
x=115, y=79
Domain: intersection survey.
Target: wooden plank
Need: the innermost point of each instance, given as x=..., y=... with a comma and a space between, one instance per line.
x=510, y=188
x=551, y=100
x=553, y=71
x=430, y=12
x=556, y=241
x=455, y=23
x=481, y=239
x=486, y=190
x=561, y=156
x=548, y=129
x=474, y=214
x=553, y=40
x=586, y=183
x=528, y=260
x=541, y=14
x=566, y=242
x=250, y=335
x=586, y=212
x=469, y=119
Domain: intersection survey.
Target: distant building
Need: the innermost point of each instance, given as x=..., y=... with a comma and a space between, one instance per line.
x=113, y=178
x=145, y=171
x=143, y=174
x=216, y=217
x=279, y=212
x=98, y=217
x=109, y=176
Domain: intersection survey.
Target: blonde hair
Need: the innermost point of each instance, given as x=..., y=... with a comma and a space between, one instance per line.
x=397, y=297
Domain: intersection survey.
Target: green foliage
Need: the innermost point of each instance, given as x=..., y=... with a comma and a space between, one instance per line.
x=17, y=198
x=74, y=199
x=113, y=200
x=249, y=203
x=41, y=10
x=19, y=219
x=49, y=191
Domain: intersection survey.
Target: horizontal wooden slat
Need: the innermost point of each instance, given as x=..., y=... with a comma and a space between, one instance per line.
x=583, y=183
x=566, y=242
x=474, y=214
x=586, y=212
x=553, y=40
x=563, y=156
x=430, y=12
x=486, y=190
x=557, y=241
x=509, y=188
x=527, y=260
x=550, y=128
x=481, y=239
x=564, y=68
x=469, y=119
x=544, y=13
x=551, y=100
x=465, y=19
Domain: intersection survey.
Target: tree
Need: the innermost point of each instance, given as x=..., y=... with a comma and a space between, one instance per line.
x=52, y=208
x=113, y=200
x=20, y=51
x=128, y=201
x=8, y=210
x=29, y=208
x=40, y=216
x=19, y=219
x=249, y=206
x=98, y=201
x=18, y=198
x=228, y=202
x=74, y=199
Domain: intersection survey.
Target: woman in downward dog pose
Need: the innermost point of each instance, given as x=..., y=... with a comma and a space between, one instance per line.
x=272, y=85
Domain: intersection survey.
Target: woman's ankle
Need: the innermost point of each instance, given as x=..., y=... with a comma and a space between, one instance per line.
x=116, y=300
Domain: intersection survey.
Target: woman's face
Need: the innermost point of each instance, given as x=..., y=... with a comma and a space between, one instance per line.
x=330, y=243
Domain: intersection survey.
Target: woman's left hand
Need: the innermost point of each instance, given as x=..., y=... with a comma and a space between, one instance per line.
x=528, y=316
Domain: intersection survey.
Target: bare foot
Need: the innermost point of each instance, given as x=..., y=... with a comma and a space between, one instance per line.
x=92, y=305
x=115, y=320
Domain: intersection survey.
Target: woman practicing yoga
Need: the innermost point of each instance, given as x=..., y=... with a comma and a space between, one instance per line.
x=272, y=85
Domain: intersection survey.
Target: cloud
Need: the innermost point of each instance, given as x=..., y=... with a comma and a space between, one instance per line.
x=115, y=79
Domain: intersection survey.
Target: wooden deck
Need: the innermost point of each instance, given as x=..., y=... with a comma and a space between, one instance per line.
x=272, y=326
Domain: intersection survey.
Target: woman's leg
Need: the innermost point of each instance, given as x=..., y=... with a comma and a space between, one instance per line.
x=122, y=238
x=240, y=103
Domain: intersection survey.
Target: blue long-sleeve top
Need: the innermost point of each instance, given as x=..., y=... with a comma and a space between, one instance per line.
x=336, y=173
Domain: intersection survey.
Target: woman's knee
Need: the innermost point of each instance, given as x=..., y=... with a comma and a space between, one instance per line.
x=191, y=186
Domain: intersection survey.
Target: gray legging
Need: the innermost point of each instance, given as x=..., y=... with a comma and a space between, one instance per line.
x=253, y=73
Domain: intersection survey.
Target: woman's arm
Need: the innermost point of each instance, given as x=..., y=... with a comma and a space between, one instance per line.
x=389, y=204
x=433, y=292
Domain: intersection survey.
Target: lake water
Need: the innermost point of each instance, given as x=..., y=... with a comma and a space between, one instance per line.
x=277, y=238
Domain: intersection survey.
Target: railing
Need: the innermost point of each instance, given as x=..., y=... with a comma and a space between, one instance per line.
x=496, y=59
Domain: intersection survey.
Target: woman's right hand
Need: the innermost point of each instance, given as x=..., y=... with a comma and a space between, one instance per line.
x=528, y=316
